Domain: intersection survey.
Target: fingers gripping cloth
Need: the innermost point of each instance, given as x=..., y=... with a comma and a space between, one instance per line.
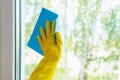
x=52, y=51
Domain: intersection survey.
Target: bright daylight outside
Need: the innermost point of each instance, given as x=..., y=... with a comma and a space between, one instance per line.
x=91, y=38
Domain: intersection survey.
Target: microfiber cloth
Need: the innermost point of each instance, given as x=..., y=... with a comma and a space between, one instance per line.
x=41, y=22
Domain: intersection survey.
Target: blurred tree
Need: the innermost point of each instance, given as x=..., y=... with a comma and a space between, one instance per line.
x=82, y=34
x=111, y=25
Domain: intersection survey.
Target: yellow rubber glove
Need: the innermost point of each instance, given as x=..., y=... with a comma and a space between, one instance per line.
x=52, y=52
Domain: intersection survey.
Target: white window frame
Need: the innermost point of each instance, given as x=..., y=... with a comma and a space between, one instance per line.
x=19, y=39
x=8, y=42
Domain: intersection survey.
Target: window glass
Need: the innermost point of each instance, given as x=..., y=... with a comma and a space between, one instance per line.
x=91, y=37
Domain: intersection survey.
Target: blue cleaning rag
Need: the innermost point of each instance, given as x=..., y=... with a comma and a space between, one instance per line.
x=41, y=22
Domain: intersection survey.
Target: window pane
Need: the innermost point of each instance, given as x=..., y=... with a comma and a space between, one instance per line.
x=91, y=36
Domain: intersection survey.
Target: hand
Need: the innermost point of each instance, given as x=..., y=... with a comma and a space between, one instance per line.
x=52, y=48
